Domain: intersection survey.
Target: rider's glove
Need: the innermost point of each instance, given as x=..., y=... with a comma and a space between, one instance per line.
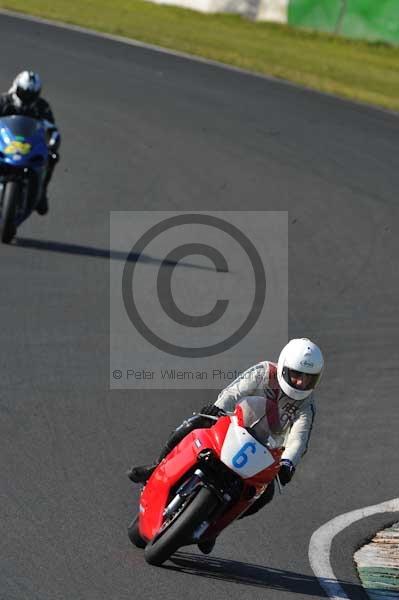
x=286, y=472
x=213, y=410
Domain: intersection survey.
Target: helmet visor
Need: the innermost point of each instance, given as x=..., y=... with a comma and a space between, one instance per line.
x=299, y=380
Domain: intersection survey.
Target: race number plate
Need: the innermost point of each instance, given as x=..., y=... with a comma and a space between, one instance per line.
x=243, y=453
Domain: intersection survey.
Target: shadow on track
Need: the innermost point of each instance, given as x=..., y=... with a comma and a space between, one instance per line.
x=255, y=575
x=77, y=249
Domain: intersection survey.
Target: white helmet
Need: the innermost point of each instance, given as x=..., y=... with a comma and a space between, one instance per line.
x=299, y=368
x=26, y=87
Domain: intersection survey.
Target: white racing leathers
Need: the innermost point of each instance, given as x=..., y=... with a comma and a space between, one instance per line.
x=268, y=411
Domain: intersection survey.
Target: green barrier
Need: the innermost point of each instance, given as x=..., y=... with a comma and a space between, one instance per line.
x=315, y=14
x=366, y=19
x=372, y=19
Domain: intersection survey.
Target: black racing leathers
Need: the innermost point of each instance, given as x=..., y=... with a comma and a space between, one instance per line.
x=40, y=109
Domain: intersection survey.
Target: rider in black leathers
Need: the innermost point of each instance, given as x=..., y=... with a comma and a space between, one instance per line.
x=23, y=98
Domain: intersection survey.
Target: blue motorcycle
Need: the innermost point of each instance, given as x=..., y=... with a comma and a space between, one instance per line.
x=24, y=156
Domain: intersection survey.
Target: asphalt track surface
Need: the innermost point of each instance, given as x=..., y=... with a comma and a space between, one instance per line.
x=144, y=130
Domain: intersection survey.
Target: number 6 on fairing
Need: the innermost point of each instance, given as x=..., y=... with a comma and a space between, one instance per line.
x=240, y=459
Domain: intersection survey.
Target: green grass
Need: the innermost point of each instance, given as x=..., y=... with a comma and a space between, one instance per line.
x=362, y=71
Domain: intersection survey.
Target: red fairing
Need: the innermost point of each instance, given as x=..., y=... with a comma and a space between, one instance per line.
x=171, y=470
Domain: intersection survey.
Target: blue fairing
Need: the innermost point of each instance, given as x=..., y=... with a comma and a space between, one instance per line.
x=23, y=158
x=23, y=142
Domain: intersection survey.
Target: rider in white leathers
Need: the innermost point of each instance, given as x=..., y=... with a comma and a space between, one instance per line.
x=288, y=418
x=275, y=398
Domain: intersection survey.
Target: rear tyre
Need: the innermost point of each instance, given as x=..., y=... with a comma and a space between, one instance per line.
x=8, y=210
x=134, y=534
x=179, y=531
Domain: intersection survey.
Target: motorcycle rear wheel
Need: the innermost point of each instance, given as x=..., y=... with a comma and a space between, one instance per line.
x=180, y=529
x=134, y=534
x=8, y=210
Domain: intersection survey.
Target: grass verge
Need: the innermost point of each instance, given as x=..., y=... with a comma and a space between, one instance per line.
x=361, y=71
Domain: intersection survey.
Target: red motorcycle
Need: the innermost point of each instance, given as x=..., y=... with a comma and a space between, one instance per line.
x=206, y=482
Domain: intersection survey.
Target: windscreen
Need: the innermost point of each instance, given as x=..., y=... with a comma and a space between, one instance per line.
x=21, y=126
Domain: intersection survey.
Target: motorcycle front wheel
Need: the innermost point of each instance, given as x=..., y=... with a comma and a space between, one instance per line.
x=8, y=210
x=178, y=532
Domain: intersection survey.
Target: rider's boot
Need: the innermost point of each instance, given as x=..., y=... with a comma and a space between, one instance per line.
x=142, y=474
x=42, y=207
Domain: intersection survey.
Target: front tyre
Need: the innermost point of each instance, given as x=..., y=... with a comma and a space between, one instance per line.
x=134, y=534
x=179, y=531
x=8, y=210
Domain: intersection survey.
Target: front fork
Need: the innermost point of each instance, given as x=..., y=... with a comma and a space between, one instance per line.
x=22, y=206
x=187, y=489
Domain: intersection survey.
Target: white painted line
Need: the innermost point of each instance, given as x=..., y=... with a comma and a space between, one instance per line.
x=187, y=56
x=321, y=540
